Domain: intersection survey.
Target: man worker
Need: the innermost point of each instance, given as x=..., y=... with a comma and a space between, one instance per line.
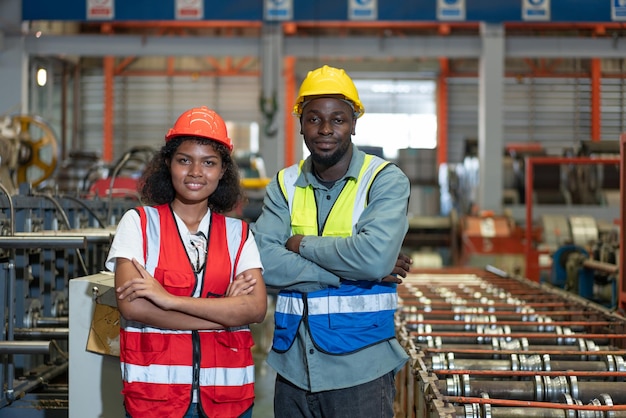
x=329, y=236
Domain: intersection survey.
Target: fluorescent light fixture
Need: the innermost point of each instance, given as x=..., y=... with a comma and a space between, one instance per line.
x=42, y=77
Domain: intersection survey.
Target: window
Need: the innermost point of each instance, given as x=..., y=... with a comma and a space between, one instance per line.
x=398, y=114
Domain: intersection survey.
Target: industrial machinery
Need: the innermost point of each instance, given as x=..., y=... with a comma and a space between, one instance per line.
x=590, y=274
x=486, y=344
x=48, y=236
x=487, y=238
x=47, y=240
x=28, y=151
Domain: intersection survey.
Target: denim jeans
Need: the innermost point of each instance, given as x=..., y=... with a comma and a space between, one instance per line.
x=371, y=399
x=194, y=412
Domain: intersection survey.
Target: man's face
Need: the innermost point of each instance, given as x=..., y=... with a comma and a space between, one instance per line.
x=327, y=125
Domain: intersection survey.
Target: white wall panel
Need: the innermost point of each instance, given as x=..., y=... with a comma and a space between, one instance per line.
x=462, y=115
x=552, y=111
x=146, y=107
x=613, y=108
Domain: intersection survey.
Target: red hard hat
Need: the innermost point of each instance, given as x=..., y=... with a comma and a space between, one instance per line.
x=202, y=122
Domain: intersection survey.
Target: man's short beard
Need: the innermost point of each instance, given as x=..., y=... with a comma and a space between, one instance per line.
x=327, y=160
x=332, y=159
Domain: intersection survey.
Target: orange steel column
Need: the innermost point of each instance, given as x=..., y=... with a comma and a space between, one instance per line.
x=596, y=92
x=290, y=97
x=108, y=119
x=442, y=111
x=621, y=285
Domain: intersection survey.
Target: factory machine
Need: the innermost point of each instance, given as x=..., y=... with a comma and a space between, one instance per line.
x=52, y=233
x=47, y=241
x=485, y=344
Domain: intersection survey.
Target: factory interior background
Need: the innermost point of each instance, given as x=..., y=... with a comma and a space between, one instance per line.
x=508, y=118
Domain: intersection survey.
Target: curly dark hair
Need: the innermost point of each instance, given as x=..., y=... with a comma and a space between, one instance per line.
x=155, y=185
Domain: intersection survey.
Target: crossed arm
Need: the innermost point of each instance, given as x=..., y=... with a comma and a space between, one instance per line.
x=400, y=270
x=140, y=297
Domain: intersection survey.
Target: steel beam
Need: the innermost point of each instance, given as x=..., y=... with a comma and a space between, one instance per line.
x=89, y=45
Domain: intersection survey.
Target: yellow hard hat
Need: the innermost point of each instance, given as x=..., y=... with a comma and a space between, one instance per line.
x=328, y=81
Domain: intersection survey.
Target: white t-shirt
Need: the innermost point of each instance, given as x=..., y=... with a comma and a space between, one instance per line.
x=128, y=242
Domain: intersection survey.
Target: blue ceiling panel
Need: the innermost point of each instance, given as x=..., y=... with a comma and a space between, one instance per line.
x=495, y=11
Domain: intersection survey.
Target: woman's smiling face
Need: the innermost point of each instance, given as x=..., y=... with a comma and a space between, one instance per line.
x=196, y=170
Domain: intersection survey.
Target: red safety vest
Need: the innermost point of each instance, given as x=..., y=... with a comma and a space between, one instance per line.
x=160, y=368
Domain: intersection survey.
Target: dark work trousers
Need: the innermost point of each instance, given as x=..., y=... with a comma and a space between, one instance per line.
x=370, y=400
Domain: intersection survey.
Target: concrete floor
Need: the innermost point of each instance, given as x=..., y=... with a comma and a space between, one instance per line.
x=264, y=374
x=264, y=388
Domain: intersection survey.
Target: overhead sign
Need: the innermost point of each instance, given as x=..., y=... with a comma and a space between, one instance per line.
x=100, y=9
x=189, y=9
x=450, y=9
x=618, y=9
x=278, y=9
x=363, y=9
x=536, y=10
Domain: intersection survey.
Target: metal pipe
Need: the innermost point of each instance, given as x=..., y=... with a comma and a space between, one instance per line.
x=11, y=210
x=503, y=306
x=533, y=373
x=444, y=326
x=25, y=347
x=508, y=365
x=601, y=266
x=550, y=410
x=116, y=171
x=526, y=390
x=491, y=319
x=33, y=383
x=42, y=241
x=51, y=321
x=91, y=236
x=507, y=315
x=555, y=338
x=556, y=352
x=41, y=333
x=10, y=327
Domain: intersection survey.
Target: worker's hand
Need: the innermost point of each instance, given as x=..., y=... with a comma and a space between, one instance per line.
x=242, y=285
x=293, y=243
x=402, y=267
x=145, y=286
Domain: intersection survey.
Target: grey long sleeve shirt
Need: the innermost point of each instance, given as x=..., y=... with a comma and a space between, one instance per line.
x=369, y=254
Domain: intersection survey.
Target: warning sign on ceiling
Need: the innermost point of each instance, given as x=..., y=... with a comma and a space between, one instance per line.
x=278, y=10
x=536, y=10
x=362, y=10
x=618, y=10
x=189, y=9
x=100, y=9
x=451, y=10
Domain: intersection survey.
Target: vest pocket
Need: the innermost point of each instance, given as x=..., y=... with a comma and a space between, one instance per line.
x=147, y=392
x=144, y=341
x=178, y=283
x=304, y=221
x=233, y=378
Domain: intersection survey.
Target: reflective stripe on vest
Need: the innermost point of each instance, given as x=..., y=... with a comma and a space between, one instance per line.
x=157, y=365
x=182, y=375
x=358, y=313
